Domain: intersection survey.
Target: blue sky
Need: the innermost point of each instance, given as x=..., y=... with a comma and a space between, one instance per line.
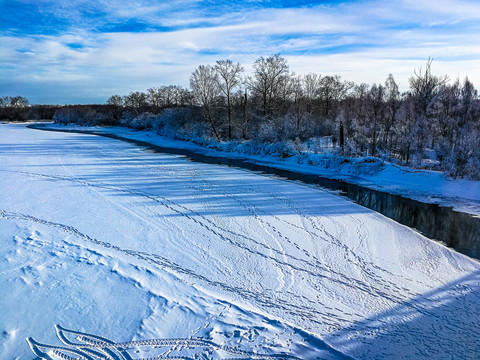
x=82, y=51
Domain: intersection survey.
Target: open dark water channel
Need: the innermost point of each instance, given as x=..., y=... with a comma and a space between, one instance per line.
x=458, y=230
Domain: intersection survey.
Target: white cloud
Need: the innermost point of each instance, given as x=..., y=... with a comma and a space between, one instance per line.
x=362, y=41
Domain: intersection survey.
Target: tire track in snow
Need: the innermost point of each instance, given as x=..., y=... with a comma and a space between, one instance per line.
x=90, y=347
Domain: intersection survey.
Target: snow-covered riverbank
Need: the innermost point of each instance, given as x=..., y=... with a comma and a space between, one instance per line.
x=427, y=186
x=105, y=238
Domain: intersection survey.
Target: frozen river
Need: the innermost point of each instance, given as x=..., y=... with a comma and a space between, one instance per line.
x=103, y=237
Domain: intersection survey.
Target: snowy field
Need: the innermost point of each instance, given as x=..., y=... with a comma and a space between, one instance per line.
x=105, y=238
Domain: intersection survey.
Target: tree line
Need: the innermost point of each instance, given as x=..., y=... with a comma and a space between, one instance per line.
x=435, y=123
x=18, y=108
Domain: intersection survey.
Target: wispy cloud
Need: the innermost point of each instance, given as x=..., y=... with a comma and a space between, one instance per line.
x=92, y=49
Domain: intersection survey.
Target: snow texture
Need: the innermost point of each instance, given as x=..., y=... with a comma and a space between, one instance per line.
x=428, y=186
x=114, y=241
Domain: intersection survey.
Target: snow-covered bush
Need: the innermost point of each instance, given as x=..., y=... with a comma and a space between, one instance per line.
x=143, y=121
x=282, y=149
x=250, y=147
x=347, y=165
x=177, y=122
x=126, y=118
x=269, y=130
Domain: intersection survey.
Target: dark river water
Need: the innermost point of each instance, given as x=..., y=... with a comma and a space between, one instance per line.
x=460, y=231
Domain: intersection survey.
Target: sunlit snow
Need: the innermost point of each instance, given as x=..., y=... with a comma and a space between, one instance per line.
x=105, y=238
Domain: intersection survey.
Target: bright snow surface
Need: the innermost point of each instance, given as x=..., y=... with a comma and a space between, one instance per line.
x=103, y=237
x=427, y=186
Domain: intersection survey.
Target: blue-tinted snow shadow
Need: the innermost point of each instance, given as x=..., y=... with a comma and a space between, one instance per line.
x=441, y=324
x=458, y=230
x=449, y=315
x=222, y=188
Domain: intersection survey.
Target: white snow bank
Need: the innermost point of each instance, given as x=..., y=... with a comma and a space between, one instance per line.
x=423, y=185
x=104, y=238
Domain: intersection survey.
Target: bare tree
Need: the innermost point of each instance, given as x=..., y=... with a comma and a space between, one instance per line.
x=228, y=78
x=425, y=86
x=311, y=89
x=268, y=75
x=136, y=101
x=393, y=104
x=294, y=96
x=154, y=96
x=115, y=100
x=206, y=90
x=333, y=89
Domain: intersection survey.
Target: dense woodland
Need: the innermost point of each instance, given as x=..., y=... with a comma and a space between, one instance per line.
x=436, y=123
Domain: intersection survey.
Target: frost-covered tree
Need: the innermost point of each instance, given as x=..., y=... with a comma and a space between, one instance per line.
x=19, y=102
x=268, y=76
x=424, y=86
x=392, y=106
x=4, y=101
x=463, y=142
x=469, y=103
x=407, y=128
x=16, y=102
x=81, y=115
x=377, y=114
x=206, y=90
x=434, y=118
x=229, y=77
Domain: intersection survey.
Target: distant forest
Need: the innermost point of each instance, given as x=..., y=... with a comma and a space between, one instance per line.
x=435, y=124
